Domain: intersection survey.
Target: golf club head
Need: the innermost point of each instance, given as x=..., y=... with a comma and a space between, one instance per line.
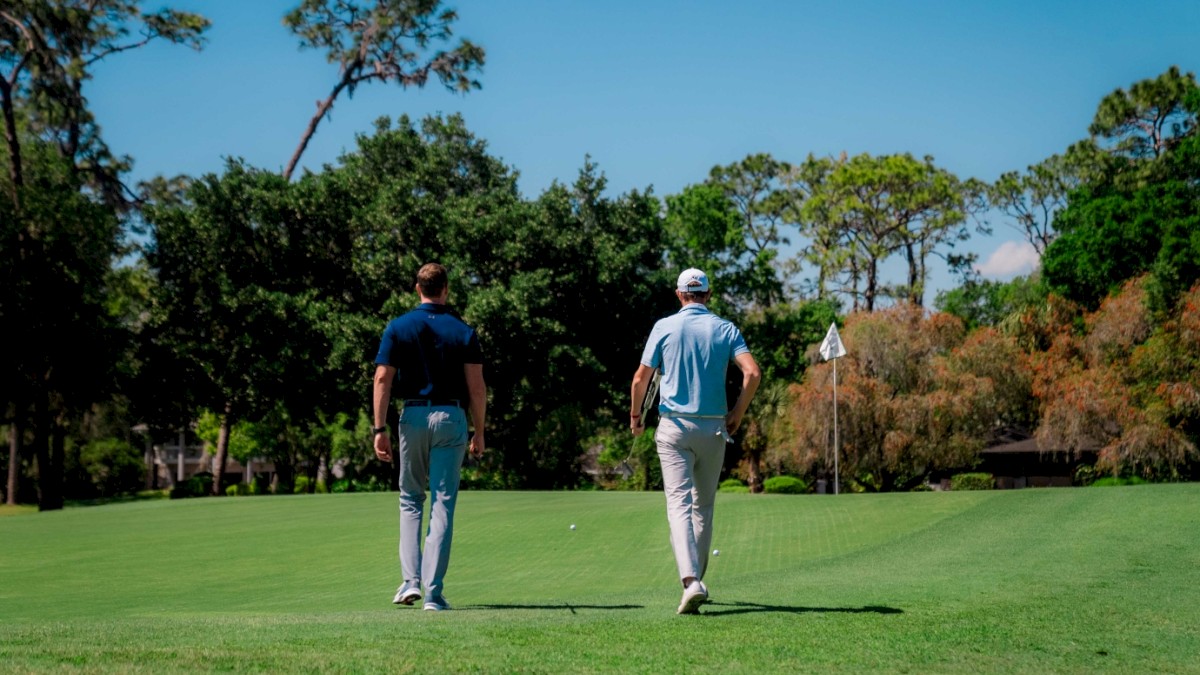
x=625, y=469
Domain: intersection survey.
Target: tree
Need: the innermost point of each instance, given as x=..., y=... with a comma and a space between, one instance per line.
x=574, y=289
x=47, y=50
x=1148, y=119
x=755, y=188
x=386, y=40
x=1124, y=387
x=1032, y=200
x=57, y=250
x=223, y=315
x=878, y=206
x=1141, y=212
x=985, y=303
x=913, y=398
x=62, y=193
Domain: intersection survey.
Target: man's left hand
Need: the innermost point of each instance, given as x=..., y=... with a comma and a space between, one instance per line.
x=732, y=422
x=383, y=447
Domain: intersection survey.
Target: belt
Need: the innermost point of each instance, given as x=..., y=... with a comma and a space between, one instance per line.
x=692, y=416
x=432, y=402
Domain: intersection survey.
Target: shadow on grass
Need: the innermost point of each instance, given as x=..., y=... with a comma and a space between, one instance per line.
x=565, y=605
x=747, y=607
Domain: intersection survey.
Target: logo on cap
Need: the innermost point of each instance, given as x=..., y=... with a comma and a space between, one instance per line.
x=692, y=281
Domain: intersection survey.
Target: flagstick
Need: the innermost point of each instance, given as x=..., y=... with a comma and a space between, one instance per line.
x=835, y=430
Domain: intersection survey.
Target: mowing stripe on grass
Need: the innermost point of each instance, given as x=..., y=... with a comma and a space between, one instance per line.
x=1032, y=580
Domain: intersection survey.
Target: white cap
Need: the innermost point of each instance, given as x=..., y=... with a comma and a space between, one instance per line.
x=692, y=280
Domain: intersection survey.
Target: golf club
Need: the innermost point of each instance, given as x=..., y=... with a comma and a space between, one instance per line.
x=649, y=402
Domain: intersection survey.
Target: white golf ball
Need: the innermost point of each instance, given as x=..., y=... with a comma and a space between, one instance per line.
x=716, y=552
x=572, y=526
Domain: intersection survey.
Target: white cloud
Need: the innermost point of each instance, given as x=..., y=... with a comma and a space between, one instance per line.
x=1011, y=259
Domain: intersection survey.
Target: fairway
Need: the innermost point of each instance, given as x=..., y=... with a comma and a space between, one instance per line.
x=1063, y=580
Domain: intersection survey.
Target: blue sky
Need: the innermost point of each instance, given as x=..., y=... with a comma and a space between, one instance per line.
x=657, y=93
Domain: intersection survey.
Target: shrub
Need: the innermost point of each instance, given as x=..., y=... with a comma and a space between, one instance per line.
x=1112, y=481
x=785, y=485
x=301, y=485
x=260, y=485
x=239, y=490
x=1085, y=475
x=341, y=485
x=732, y=485
x=113, y=466
x=153, y=494
x=972, y=481
x=199, y=485
x=372, y=484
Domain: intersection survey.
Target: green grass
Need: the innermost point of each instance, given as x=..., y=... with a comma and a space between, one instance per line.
x=1063, y=580
x=20, y=509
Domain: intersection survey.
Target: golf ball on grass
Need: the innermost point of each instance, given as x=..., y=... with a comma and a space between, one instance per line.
x=572, y=526
x=716, y=552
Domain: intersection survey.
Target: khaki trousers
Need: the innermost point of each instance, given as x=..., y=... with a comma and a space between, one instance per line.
x=692, y=452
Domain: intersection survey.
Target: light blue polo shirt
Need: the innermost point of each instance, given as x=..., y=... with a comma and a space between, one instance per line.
x=694, y=348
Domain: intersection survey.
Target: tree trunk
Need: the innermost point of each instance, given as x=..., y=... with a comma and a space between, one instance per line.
x=323, y=108
x=914, y=284
x=754, y=469
x=14, y=461
x=49, y=456
x=222, y=450
x=13, y=143
x=872, y=285
x=151, y=466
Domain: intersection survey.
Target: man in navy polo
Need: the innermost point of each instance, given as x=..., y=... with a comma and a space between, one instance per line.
x=694, y=348
x=432, y=360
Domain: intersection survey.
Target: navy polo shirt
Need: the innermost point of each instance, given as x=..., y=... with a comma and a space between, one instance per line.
x=428, y=347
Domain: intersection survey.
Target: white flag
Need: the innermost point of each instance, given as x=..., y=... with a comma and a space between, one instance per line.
x=832, y=347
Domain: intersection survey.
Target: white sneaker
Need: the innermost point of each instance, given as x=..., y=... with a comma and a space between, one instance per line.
x=407, y=594
x=693, y=596
x=436, y=603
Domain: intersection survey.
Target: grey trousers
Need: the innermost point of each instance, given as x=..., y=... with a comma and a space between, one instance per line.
x=432, y=445
x=692, y=452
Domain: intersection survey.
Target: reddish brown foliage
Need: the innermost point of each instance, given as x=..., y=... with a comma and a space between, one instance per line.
x=909, y=399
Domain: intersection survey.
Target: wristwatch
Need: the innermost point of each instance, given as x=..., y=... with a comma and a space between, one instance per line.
x=378, y=430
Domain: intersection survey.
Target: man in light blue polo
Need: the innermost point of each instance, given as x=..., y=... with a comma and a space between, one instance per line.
x=693, y=348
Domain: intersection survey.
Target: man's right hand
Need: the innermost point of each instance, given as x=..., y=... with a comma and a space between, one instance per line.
x=478, y=445
x=636, y=426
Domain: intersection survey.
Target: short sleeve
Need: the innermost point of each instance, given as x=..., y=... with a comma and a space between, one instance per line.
x=473, y=353
x=737, y=344
x=384, y=356
x=652, y=354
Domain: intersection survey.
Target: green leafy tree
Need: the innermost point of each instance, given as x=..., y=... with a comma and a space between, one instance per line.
x=1149, y=119
x=575, y=289
x=877, y=207
x=1141, y=213
x=1032, y=200
x=223, y=316
x=57, y=252
x=985, y=303
x=61, y=228
x=755, y=188
x=47, y=51
x=384, y=40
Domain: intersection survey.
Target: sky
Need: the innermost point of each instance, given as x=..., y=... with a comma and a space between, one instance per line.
x=656, y=93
